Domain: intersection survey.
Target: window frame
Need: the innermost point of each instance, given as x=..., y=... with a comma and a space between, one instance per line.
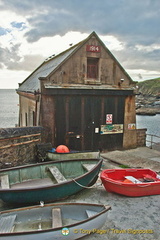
x=92, y=68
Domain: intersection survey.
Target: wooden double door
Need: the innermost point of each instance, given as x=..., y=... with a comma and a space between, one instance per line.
x=78, y=121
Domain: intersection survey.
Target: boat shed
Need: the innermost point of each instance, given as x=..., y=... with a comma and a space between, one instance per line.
x=82, y=97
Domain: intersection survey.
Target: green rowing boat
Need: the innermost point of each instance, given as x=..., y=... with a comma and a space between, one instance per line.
x=48, y=181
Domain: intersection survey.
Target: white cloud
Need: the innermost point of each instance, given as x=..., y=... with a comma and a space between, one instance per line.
x=47, y=46
x=113, y=43
x=10, y=79
x=149, y=48
x=141, y=74
x=31, y=31
x=7, y=17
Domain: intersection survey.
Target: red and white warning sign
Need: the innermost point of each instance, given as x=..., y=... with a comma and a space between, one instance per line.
x=109, y=118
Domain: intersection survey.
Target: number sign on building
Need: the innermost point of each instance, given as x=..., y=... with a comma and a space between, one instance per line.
x=93, y=48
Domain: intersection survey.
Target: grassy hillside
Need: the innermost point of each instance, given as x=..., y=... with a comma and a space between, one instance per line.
x=151, y=87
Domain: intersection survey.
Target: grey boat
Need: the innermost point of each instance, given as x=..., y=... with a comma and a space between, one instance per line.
x=72, y=155
x=52, y=221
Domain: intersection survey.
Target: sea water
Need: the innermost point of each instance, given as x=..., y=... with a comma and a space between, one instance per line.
x=151, y=123
x=9, y=108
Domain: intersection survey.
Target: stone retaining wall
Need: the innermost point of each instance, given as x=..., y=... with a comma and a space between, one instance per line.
x=18, y=145
x=141, y=137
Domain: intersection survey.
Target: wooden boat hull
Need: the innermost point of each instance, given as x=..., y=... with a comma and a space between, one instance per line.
x=26, y=192
x=29, y=222
x=113, y=181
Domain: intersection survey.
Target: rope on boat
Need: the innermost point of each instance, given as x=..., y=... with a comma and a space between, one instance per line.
x=83, y=185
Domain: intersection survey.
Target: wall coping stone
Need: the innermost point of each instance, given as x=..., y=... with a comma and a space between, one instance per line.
x=19, y=131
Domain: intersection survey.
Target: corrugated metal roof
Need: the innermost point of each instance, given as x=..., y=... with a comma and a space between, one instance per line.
x=32, y=83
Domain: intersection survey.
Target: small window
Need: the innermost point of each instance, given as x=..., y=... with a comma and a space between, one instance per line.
x=26, y=118
x=92, y=68
x=33, y=116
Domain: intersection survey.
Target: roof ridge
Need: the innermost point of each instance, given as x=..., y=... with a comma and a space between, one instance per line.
x=61, y=53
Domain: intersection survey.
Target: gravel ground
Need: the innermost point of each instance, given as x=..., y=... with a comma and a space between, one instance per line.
x=130, y=218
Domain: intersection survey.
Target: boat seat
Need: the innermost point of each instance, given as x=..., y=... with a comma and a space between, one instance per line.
x=4, y=182
x=133, y=179
x=57, y=174
x=90, y=213
x=7, y=223
x=88, y=167
x=56, y=218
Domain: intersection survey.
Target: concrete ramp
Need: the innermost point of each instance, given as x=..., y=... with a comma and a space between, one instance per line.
x=142, y=157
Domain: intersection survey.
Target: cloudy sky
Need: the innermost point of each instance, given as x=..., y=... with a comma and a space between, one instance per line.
x=32, y=30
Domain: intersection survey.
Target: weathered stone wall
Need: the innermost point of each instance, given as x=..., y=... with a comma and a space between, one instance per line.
x=141, y=137
x=130, y=135
x=18, y=145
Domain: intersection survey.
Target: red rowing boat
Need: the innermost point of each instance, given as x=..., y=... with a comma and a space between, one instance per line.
x=131, y=182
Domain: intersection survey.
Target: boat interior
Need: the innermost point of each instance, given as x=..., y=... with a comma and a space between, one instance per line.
x=44, y=174
x=43, y=218
x=133, y=175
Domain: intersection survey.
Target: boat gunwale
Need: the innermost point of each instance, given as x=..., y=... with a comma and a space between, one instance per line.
x=106, y=208
x=99, y=162
x=46, y=163
x=67, y=153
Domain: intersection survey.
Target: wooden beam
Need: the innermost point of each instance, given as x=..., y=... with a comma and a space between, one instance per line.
x=57, y=174
x=18, y=144
x=7, y=223
x=88, y=167
x=19, y=137
x=4, y=182
x=56, y=218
